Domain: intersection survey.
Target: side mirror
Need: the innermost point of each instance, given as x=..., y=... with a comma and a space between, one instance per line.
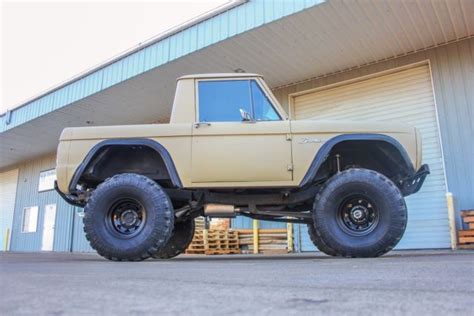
x=246, y=117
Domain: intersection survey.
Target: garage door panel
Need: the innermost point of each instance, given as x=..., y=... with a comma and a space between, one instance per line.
x=368, y=112
x=8, y=186
x=405, y=96
x=384, y=88
x=358, y=111
x=342, y=97
x=361, y=111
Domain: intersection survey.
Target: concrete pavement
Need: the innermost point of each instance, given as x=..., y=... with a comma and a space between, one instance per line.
x=414, y=282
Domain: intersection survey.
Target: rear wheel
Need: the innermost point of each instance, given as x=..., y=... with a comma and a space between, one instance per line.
x=180, y=239
x=128, y=217
x=318, y=242
x=358, y=213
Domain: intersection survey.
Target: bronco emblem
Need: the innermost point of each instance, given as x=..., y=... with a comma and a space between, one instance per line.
x=308, y=140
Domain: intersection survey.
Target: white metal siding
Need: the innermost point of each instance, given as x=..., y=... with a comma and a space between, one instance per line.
x=404, y=96
x=8, y=183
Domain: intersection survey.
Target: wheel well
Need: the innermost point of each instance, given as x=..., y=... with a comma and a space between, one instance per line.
x=110, y=160
x=378, y=155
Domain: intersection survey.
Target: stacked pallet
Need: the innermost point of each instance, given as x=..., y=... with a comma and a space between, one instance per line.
x=214, y=242
x=200, y=223
x=199, y=243
x=466, y=237
x=270, y=241
x=222, y=242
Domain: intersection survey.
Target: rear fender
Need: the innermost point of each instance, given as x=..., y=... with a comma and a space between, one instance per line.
x=100, y=147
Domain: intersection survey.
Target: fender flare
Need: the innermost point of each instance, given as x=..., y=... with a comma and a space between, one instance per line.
x=160, y=149
x=326, y=148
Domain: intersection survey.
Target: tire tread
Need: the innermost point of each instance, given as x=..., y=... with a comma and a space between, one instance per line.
x=320, y=236
x=135, y=180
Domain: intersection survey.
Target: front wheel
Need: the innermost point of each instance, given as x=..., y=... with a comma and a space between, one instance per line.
x=359, y=213
x=128, y=217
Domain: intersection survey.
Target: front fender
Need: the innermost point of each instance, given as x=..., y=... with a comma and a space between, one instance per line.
x=325, y=150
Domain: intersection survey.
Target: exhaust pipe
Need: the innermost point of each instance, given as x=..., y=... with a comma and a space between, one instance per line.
x=219, y=210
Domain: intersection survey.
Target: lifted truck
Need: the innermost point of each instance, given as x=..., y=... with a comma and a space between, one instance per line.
x=231, y=149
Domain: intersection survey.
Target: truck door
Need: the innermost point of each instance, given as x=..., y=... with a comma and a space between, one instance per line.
x=238, y=135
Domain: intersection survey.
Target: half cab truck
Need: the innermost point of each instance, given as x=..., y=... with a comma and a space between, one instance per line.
x=231, y=149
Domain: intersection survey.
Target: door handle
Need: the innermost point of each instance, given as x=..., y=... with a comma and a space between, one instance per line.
x=199, y=124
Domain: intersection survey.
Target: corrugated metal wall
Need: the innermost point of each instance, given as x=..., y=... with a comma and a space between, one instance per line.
x=79, y=241
x=453, y=79
x=225, y=25
x=28, y=195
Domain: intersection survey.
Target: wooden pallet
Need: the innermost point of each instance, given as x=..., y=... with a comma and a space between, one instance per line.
x=466, y=237
x=200, y=223
x=199, y=243
x=214, y=242
x=270, y=241
x=222, y=242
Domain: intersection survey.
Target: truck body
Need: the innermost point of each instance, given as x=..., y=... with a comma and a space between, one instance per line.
x=232, y=154
x=230, y=143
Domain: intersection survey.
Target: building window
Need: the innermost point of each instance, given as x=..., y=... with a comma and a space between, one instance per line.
x=46, y=180
x=30, y=219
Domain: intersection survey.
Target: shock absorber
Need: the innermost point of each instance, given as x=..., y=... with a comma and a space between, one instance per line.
x=338, y=163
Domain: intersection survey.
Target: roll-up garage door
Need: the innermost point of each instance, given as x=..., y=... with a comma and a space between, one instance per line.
x=8, y=184
x=404, y=96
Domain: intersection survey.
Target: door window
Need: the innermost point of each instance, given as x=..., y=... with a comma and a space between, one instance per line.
x=263, y=109
x=221, y=101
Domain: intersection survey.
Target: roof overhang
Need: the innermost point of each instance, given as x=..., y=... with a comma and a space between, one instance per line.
x=219, y=75
x=286, y=44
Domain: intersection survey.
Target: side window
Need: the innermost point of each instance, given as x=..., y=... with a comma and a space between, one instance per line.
x=46, y=180
x=221, y=101
x=30, y=219
x=263, y=109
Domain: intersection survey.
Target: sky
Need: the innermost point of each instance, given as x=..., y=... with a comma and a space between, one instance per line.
x=46, y=43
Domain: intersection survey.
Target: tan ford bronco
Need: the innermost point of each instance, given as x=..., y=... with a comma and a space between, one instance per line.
x=231, y=149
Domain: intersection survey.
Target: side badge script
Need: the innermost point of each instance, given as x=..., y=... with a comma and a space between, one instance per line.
x=310, y=140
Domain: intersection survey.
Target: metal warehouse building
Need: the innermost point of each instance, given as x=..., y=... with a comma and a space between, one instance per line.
x=406, y=61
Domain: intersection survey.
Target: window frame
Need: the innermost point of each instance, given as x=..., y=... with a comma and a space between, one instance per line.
x=36, y=208
x=280, y=118
x=249, y=80
x=39, y=180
